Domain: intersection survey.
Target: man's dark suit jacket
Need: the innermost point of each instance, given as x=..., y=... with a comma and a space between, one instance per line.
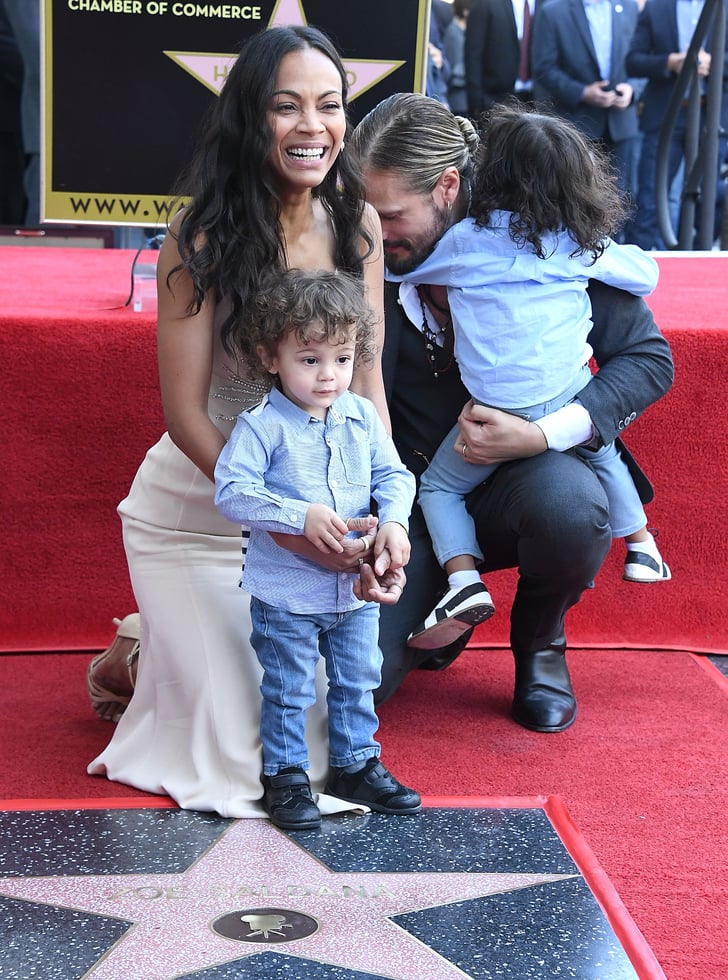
x=656, y=37
x=564, y=62
x=442, y=12
x=635, y=369
x=492, y=53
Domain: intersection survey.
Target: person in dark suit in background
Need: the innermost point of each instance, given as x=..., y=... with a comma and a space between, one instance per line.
x=497, y=44
x=442, y=12
x=12, y=157
x=24, y=17
x=438, y=67
x=453, y=41
x=657, y=52
x=579, y=50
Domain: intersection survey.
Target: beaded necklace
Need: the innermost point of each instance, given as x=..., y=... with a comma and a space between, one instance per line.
x=431, y=336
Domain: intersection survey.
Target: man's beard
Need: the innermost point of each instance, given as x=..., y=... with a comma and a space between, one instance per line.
x=420, y=247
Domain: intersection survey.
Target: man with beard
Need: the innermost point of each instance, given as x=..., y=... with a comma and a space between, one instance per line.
x=543, y=510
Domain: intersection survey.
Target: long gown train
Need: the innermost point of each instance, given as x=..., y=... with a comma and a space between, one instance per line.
x=191, y=728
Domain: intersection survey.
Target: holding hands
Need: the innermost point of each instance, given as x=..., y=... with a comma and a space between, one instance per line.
x=381, y=561
x=379, y=555
x=381, y=569
x=385, y=587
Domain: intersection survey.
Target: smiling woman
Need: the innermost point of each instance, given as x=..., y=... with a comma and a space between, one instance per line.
x=307, y=121
x=269, y=188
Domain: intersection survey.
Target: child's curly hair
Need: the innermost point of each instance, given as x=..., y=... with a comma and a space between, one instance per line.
x=320, y=304
x=552, y=177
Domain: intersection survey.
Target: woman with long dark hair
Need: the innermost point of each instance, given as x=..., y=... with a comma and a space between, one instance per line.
x=270, y=187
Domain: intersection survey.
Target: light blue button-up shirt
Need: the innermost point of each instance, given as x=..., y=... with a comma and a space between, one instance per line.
x=599, y=15
x=688, y=13
x=278, y=461
x=521, y=323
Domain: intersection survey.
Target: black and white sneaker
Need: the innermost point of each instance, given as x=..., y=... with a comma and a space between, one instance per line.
x=458, y=610
x=641, y=567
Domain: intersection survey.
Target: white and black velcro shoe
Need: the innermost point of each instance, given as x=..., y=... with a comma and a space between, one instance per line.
x=641, y=567
x=458, y=610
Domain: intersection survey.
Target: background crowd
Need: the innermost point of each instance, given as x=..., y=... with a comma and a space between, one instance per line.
x=610, y=67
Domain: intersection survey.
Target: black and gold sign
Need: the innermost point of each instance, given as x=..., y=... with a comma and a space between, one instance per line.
x=128, y=82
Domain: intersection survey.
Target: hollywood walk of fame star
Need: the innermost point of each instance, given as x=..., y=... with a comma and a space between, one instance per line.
x=260, y=875
x=211, y=69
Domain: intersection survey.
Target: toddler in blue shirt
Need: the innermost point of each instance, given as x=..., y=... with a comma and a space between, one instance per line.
x=308, y=460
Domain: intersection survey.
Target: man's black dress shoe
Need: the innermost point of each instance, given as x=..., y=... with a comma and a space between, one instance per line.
x=440, y=659
x=288, y=800
x=544, y=699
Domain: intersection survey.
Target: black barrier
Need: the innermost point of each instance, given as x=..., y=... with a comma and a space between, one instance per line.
x=701, y=138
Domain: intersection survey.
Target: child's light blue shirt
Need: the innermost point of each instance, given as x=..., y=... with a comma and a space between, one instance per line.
x=278, y=460
x=521, y=323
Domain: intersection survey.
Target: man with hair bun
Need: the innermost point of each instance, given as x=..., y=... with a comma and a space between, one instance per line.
x=543, y=510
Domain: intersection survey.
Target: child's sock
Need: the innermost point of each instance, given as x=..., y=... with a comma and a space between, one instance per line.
x=648, y=547
x=644, y=563
x=459, y=580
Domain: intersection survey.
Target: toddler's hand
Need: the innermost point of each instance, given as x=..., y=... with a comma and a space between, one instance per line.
x=391, y=548
x=324, y=528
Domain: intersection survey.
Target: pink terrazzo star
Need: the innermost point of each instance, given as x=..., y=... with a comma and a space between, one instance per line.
x=253, y=868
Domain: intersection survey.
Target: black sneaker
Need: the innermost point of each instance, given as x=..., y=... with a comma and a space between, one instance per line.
x=288, y=801
x=375, y=787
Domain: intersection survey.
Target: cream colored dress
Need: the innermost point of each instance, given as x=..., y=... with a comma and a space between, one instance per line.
x=191, y=728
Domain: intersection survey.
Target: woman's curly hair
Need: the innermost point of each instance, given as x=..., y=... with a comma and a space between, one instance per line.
x=320, y=305
x=550, y=176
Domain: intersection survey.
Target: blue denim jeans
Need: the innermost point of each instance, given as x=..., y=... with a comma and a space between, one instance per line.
x=644, y=230
x=449, y=478
x=288, y=646
x=626, y=513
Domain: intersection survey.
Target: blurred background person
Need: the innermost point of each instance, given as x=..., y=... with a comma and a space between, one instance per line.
x=442, y=11
x=12, y=155
x=497, y=52
x=24, y=18
x=438, y=67
x=453, y=40
x=657, y=52
x=579, y=51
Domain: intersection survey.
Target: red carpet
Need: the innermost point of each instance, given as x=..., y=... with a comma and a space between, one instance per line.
x=643, y=772
x=79, y=407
